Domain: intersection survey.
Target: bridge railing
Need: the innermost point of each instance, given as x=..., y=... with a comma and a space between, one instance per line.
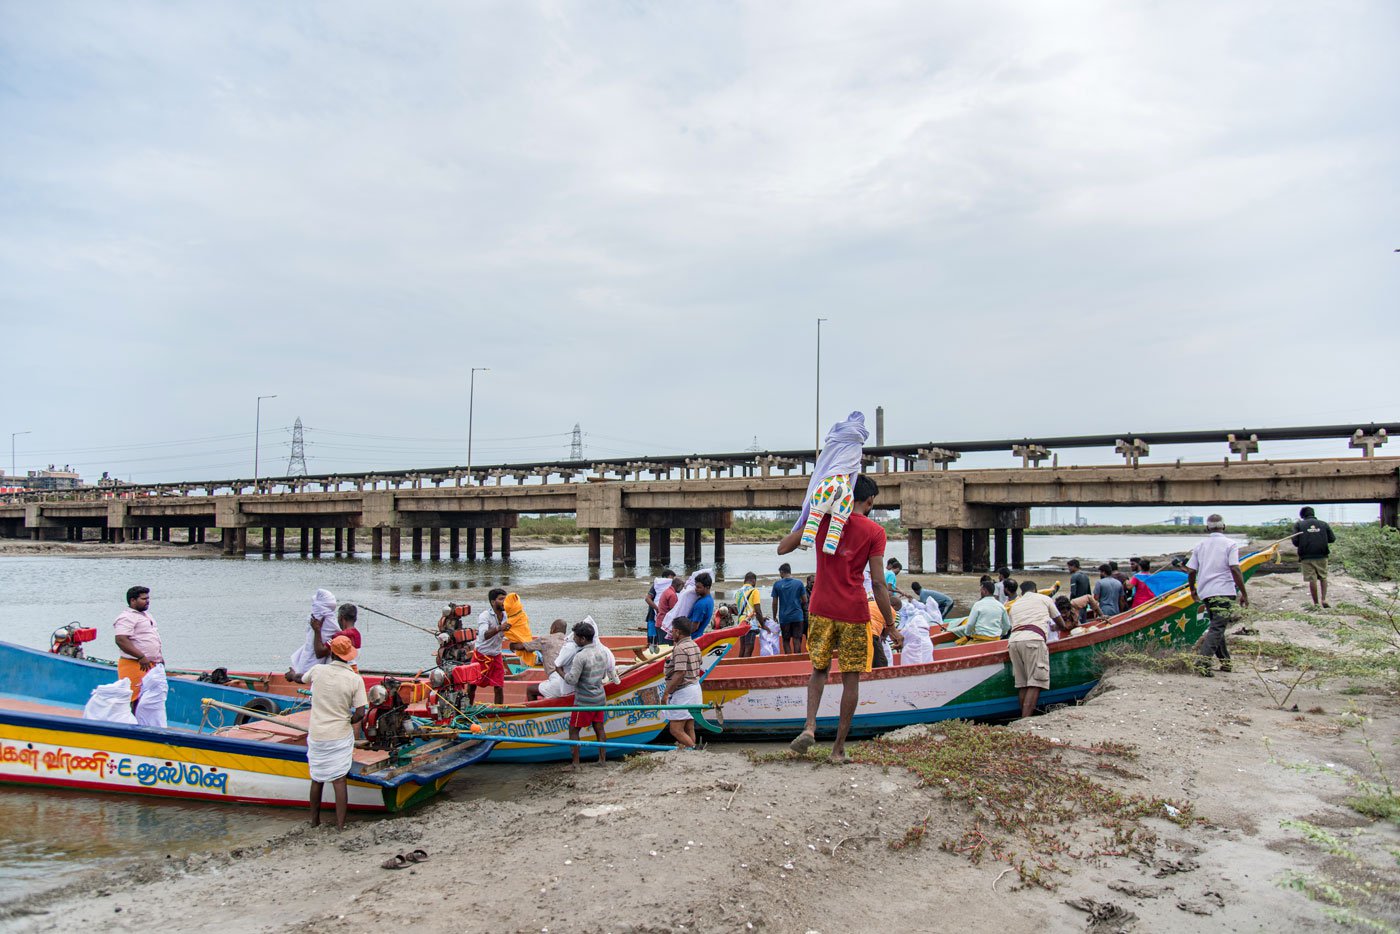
x=1133, y=447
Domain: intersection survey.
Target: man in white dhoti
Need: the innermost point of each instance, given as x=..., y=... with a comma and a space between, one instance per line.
x=338, y=702
x=321, y=628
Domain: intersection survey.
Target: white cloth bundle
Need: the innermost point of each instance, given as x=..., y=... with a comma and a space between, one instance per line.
x=323, y=607
x=686, y=600
x=770, y=641
x=330, y=759
x=150, y=705
x=110, y=702
x=555, y=685
x=842, y=451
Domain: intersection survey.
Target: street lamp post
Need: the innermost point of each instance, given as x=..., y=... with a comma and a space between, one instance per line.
x=13, y=436
x=819, y=384
x=471, y=407
x=257, y=437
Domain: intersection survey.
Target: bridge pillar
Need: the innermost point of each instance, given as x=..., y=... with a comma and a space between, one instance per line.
x=417, y=543
x=241, y=542
x=505, y=545
x=659, y=547
x=316, y=542
x=304, y=542
x=979, y=555
x=487, y=547
x=202, y=532
x=395, y=543
x=471, y=544
x=350, y=542
x=376, y=544
x=118, y=535
x=595, y=548
x=225, y=540
x=1018, y=549
x=619, y=548
x=692, y=547
x=164, y=533
x=999, y=552
x=1390, y=512
x=941, y=539
x=719, y=546
x=435, y=544
x=266, y=540
x=454, y=543
x=339, y=540
x=916, y=550
x=956, y=552
x=279, y=539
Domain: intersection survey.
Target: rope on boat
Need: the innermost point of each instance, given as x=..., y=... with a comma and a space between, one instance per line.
x=431, y=632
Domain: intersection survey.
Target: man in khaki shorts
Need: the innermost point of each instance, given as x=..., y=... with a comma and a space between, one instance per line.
x=1311, y=536
x=1032, y=615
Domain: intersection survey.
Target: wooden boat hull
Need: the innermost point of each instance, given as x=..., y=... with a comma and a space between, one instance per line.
x=641, y=685
x=972, y=681
x=44, y=742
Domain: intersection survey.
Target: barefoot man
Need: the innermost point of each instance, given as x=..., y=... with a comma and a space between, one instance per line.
x=839, y=617
x=338, y=702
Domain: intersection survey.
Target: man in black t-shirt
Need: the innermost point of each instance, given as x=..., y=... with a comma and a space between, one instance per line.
x=1311, y=537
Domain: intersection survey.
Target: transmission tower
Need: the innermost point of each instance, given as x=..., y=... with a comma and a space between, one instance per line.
x=296, y=464
x=576, y=447
x=754, y=448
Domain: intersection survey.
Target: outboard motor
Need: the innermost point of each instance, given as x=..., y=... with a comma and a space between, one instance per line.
x=68, y=640
x=387, y=724
x=455, y=637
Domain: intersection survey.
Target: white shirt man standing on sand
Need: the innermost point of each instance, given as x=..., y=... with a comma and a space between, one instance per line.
x=1032, y=615
x=1215, y=579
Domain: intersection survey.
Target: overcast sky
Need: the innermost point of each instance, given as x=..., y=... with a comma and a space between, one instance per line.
x=1020, y=219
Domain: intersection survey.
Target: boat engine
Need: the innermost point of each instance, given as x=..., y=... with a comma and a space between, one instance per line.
x=68, y=640
x=455, y=637
x=449, y=698
x=387, y=724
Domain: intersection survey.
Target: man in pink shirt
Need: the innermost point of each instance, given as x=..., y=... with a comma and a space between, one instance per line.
x=138, y=640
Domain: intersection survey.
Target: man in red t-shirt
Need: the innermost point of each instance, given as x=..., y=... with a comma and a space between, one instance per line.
x=839, y=613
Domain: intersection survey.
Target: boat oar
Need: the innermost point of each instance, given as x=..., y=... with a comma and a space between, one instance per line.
x=257, y=714
x=602, y=708
x=431, y=632
x=580, y=743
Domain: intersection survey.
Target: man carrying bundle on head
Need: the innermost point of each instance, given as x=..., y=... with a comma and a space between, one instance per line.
x=587, y=672
x=322, y=627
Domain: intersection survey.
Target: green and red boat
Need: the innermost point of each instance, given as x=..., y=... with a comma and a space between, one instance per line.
x=762, y=698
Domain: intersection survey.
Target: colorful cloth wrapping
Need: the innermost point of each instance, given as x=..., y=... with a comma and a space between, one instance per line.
x=842, y=450
x=1150, y=586
x=330, y=759
x=518, y=629
x=150, y=706
x=686, y=601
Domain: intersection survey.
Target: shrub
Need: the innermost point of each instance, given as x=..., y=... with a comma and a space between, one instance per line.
x=1370, y=552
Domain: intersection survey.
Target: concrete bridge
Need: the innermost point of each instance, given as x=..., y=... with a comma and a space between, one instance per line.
x=977, y=518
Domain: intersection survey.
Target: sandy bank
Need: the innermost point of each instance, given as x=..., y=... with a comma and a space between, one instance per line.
x=712, y=841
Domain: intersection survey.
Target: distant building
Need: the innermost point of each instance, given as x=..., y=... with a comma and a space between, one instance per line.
x=54, y=478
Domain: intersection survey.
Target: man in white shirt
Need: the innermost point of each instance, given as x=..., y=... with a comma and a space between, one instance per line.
x=1214, y=576
x=1032, y=615
x=486, y=652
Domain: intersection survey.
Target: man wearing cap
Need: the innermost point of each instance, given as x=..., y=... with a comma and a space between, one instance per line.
x=1213, y=573
x=338, y=702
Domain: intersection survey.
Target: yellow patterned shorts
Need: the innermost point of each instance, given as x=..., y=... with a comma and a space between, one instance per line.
x=849, y=642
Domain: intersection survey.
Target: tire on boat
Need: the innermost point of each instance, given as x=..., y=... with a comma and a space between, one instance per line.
x=261, y=705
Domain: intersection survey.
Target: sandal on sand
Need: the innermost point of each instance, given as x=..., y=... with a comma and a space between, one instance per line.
x=802, y=743
x=397, y=861
x=418, y=856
